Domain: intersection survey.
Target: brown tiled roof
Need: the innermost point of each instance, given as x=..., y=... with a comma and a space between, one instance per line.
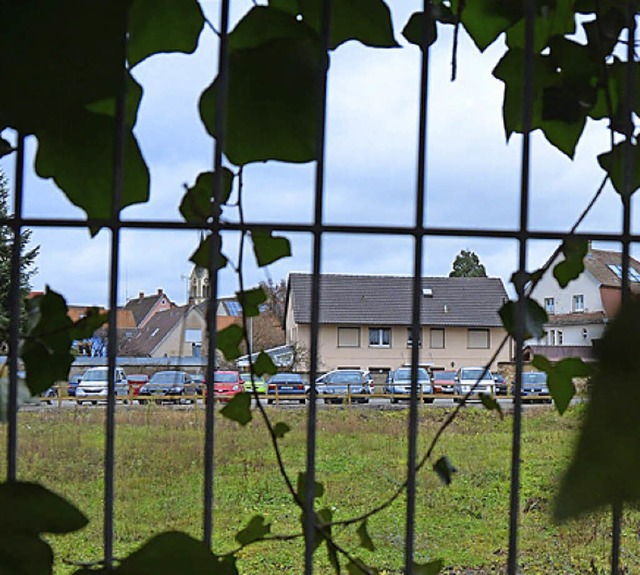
x=387, y=300
x=142, y=305
x=596, y=262
x=145, y=340
x=577, y=318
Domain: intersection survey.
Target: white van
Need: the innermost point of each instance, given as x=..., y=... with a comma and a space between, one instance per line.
x=93, y=385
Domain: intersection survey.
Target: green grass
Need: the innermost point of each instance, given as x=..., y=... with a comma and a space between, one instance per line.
x=360, y=459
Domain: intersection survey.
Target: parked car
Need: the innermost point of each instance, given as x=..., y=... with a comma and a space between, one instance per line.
x=443, y=381
x=534, y=386
x=175, y=386
x=74, y=381
x=502, y=387
x=286, y=386
x=342, y=384
x=226, y=385
x=136, y=381
x=399, y=385
x=249, y=383
x=50, y=395
x=200, y=382
x=94, y=383
x=477, y=378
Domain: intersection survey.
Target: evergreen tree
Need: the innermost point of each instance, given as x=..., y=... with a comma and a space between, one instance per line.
x=27, y=269
x=467, y=265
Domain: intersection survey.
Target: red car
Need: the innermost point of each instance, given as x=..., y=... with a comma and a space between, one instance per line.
x=226, y=385
x=443, y=381
x=136, y=381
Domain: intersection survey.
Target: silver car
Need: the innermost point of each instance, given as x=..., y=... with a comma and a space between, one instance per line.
x=398, y=385
x=343, y=384
x=478, y=379
x=534, y=386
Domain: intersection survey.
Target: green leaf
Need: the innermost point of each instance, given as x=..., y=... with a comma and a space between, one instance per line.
x=85, y=327
x=250, y=301
x=269, y=249
x=557, y=19
x=163, y=26
x=280, y=429
x=534, y=319
x=30, y=508
x=365, y=539
x=170, y=553
x=574, y=251
x=197, y=205
x=79, y=158
x=560, y=378
x=367, y=21
x=201, y=257
x=239, y=408
x=255, y=531
x=431, y=568
x=108, y=106
x=229, y=340
x=302, y=484
x=445, y=469
x=264, y=365
x=289, y=6
x=485, y=20
x=613, y=163
x=415, y=29
x=273, y=99
x=605, y=465
x=491, y=403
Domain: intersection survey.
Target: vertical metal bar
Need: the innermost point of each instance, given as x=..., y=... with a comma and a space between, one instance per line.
x=310, y=487
x=214, y=259
x=112, y=348
x=616, y=511
x=14, y=315
x=527, y=107
x=416, y=307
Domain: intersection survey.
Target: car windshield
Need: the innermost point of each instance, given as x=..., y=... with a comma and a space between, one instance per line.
x=95, y=375
x=225, y=377
x=475, y=374
x=344, y=377
x=286, y=378
x=444, y=375
x=404, y=373
x=534, y=377
x=167, y=377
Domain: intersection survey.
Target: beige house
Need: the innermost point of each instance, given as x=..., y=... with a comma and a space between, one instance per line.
x=365, y=321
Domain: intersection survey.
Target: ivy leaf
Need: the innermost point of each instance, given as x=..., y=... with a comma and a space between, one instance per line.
x=239, y=408
x=574, y=251
x=365, y=539
x=264, y=365
x=108, y=106
x=613, y=163
x=445, y=469
x=269, y=249
x=560, y=378
x=415, y=29
x=534, y=319
x=85, y=327
x=485, y=20
x=367, y=21
x=491, y=403
x=169, y=552
x=605, y=464
x=289, y=6
x=555, y=18
x=255, y=531
x=79, y=158
x=29, y=510
x=163, y=26
x=302, y=485
x=273, y=97
x=197, y=205
x=431, y=568
x=201, y=257
x=229, y=340
x=250, y=301
x=280, y=429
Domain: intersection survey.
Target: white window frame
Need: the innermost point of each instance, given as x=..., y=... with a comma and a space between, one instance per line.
x=379, y=331
x=578, y=302
x=550, y=305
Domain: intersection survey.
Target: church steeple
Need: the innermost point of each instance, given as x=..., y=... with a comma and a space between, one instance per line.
x=199, y=289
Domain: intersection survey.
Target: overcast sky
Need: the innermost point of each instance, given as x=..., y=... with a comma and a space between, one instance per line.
x=473, y=175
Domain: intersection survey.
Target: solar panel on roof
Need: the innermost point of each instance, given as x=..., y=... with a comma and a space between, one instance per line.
x=234, y=308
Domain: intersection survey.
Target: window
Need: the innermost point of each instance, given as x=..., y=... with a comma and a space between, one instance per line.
x=410, y=340
x=549, y=305
x=379, y=337
x=436, y=338
x=560, y=337
x=551, y=337
x=478, y=339
x=348, y=337
x=578, y=302
x=634, y=276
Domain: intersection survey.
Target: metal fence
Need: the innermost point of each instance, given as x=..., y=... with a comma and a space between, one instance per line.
x=317, y=229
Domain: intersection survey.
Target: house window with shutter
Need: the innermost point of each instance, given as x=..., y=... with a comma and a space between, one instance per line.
x=348, y=337
x=478, y=339
x=436, y=338
x=410, y=339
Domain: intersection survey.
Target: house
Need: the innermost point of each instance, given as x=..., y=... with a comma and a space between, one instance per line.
x=365, y=320
x=145, y=306
x=579, y=313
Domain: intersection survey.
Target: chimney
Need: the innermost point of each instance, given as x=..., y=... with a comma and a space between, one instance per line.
x=160, y=291
x=141, y=294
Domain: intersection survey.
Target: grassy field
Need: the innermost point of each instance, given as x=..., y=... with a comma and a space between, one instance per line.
x=361, y=459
